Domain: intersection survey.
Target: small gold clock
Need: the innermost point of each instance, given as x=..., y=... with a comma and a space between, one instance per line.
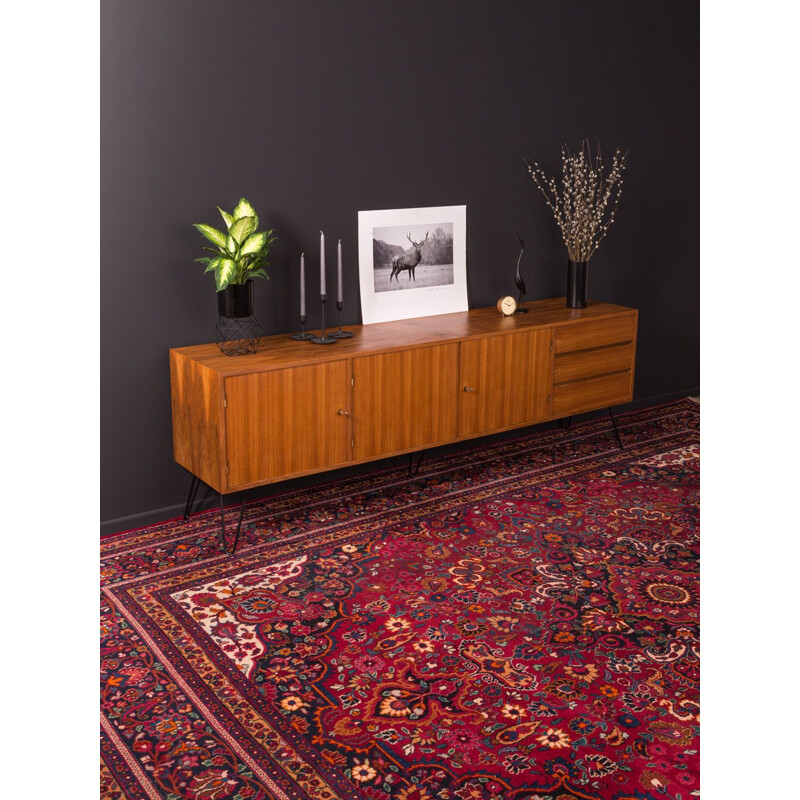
x=507, y=306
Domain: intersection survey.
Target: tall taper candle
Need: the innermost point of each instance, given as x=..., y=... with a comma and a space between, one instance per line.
x=322, y=263
x=302, y=284
x=339, y=290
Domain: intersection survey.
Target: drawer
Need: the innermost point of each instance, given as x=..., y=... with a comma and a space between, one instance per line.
x=590, y=363
x=598, y=333
x=580, y=396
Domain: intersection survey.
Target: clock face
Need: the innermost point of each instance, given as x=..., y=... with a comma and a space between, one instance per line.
x=507, y=306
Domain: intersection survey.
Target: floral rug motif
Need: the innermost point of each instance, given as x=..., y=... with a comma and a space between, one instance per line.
x=518, y=621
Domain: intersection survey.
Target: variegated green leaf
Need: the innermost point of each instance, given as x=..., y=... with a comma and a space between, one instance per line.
x=212, y=234
x=242, y=228
x=230, y=244
x=253, y=244
x=212, y=265
x=258, y=273
x=226, y=216
x=225, y=270
x=243, y=209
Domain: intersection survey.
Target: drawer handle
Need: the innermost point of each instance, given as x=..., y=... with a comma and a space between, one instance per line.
x=468, y=389
x=343, y=413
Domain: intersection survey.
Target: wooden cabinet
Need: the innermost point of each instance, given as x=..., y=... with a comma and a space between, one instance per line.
x=504, y=381
x=293, y=408
x=404, y=400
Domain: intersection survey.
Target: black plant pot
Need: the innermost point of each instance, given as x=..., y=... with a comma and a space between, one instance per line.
x=577, y=283
x=237, y=332
x=236, y=300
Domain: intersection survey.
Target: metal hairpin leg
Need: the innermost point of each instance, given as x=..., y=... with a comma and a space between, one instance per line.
x=411, y=461
x=192, y=496
x=224, y=538
x=616, y=429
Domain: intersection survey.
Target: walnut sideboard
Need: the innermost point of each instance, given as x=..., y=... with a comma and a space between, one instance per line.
x=295, y=408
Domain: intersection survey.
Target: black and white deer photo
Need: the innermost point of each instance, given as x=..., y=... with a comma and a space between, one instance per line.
x=409, y=262
x=412, y=256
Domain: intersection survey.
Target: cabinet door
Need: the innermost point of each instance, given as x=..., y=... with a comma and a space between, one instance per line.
x=505, y=381
x=287, y=421
x=403, y=401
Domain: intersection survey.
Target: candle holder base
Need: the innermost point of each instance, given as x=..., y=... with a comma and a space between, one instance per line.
x=325, y=339
x=340, y=334
x=304, y=335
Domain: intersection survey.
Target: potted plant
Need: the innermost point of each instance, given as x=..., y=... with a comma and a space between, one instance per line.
x=584, y=209
x=239, y=254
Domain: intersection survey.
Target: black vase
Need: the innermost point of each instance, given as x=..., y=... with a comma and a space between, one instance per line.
x=237, y=332
x=577, y=283
x=236, y=300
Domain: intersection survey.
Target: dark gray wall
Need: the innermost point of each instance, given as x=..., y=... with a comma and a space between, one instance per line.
x=315, y=110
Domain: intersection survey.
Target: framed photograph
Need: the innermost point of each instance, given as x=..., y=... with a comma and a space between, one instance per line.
x=412, y=262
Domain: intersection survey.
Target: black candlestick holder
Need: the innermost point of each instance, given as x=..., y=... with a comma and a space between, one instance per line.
x=324, y=339
x=340, y=334
x=302, y=336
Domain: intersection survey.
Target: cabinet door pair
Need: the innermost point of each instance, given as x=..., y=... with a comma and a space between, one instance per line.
x=417, y=398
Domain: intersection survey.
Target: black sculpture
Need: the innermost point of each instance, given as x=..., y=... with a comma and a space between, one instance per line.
x=518, y=280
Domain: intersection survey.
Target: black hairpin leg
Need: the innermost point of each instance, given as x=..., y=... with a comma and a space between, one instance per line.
x=224, y=538
x=411, y=461
x=192, y=496
x=564, y=423
x=616, y=429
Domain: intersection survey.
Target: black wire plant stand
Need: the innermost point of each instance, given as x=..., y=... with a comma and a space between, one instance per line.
x=237, y=336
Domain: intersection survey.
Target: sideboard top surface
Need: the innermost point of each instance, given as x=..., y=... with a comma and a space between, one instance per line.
x=280, y=351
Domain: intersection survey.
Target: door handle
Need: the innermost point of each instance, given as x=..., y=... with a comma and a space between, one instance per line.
x=468, y=389
x=343, y=413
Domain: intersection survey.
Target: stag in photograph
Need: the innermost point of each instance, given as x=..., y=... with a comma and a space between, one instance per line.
x=408, y=262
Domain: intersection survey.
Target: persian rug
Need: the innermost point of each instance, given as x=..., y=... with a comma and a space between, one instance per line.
x=520, y=620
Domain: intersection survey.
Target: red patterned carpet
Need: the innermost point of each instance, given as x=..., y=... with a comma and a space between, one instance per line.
x=519, y=621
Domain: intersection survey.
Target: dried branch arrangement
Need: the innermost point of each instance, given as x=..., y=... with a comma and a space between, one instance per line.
x=585, y=206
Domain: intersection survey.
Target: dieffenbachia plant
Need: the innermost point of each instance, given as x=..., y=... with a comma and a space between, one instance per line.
x=241, y=251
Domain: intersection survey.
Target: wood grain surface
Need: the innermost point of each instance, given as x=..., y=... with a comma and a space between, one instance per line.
x=197, y=430
x=287, y=421
x=579, y=396
x=504, y=381
x=295, y=408
x=595, y=333
x=275, y=352
x=404, y=400
x=591, y=363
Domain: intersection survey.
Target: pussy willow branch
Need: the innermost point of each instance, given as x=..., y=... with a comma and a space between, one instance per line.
x=585, y=207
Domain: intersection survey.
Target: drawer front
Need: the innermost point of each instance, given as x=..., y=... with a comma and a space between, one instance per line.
x=591, y=363
x=599, y=333
x=580, y=396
